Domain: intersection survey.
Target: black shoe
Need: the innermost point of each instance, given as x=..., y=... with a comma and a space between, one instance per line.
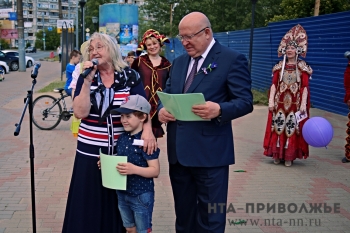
x=344, y=160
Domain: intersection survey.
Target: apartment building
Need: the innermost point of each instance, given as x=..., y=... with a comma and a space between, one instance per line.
x=43, y=14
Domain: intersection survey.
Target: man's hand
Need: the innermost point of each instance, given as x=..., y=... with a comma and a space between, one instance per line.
x=209, y=110
x=164, y=116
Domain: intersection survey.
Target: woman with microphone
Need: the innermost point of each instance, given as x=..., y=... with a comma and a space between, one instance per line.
x=105, y=83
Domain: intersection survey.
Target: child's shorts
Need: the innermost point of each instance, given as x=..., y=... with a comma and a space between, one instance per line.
x=136, y=211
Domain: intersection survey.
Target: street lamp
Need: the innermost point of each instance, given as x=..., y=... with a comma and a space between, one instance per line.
x=95, y=21
x=251, y=36
x=82, y=4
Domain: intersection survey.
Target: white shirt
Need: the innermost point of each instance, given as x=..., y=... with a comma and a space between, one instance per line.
x=200, y=62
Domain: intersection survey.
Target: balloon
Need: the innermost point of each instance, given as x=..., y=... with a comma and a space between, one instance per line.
x=317, y=132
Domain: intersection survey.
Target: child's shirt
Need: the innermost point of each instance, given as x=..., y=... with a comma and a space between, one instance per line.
x=69, y=71
x=136, y=184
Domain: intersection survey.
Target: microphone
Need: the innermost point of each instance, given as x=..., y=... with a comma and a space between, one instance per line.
x=88, y=70
x=35, y=70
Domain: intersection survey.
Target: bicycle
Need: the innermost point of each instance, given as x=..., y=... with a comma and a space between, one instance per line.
x=47, y=111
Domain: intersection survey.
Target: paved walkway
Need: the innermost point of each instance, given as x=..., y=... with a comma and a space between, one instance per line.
x=322, y=178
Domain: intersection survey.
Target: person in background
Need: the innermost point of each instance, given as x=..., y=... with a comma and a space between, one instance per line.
x=346, y=159
x=154, y=71
x=289, y=93
x=78, y=68
x=92, y=208
x=130, y=57
x=59, y=52
x=136, y=202
x=74, y=58
x=200, y=152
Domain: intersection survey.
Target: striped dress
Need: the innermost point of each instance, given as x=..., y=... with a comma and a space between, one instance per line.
x=90, y=206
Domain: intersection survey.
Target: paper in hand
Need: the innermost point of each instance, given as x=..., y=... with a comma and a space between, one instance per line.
x=299, y=116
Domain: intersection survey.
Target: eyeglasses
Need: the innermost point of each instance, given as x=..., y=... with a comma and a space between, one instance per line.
x=98, y=48
x=187, y=38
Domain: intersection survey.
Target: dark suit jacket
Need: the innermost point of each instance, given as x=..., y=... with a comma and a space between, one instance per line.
x=210, y=143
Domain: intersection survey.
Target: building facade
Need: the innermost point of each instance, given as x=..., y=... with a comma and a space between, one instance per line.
x=43, y=14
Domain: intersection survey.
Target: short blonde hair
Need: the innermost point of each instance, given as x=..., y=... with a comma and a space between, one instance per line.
x=112, y=46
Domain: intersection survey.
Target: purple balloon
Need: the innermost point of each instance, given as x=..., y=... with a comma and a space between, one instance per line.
x=317, y=132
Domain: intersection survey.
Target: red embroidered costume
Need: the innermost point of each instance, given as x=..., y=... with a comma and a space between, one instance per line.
x=289, y=93
x=153, y=78
x=346, y=99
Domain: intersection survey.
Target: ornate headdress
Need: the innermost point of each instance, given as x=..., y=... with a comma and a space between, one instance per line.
x=295, y=37
x=148, y=34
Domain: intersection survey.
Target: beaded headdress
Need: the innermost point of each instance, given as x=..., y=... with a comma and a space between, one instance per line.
x=296, y=37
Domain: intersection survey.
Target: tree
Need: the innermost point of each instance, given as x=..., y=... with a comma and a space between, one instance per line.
x=52, y=39
x=224, y=15
x=292, y=9
x=92, y=10
x=4, y=44
x=230, y=15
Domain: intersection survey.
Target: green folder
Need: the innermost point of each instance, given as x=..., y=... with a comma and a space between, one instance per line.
x=110, y=176
x=180, y=105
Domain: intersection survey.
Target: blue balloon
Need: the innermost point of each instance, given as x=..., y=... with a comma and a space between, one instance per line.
x=317, y=132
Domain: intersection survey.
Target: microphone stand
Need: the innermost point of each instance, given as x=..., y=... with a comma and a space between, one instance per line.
x=29, y=102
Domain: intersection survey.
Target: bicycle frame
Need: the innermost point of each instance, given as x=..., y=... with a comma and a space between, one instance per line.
x=63, y=96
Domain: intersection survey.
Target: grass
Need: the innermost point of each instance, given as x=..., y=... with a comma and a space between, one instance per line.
x=259, y=97
x=53, y=85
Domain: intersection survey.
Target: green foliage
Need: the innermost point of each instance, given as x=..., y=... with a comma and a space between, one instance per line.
x=28, y=44
x=230, y=15
x=4, y=44
x=260, y=97
x=52, y=39
x=92, y=10
x=292, y=9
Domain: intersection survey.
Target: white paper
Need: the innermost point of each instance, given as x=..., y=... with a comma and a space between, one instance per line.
x=299, y=117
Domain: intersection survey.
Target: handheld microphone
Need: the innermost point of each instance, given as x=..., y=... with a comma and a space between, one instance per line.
x=35, y=70
x=88, y=70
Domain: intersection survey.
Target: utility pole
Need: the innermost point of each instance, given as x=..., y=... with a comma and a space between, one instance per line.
x=60, y=16
x=317, y=7
x=77, y=26
x=20, y=29
x=171, y=19
x=44, y=32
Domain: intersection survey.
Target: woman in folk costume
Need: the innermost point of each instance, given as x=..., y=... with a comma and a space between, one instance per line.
x=289, y=93
x=154, y=71
x=346, y=159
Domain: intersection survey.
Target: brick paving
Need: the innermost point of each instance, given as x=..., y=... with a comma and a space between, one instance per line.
x=322, y=178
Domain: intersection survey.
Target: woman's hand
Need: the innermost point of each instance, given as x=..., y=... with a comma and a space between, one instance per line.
x=270, y=109
x=149, y=141
x=87, y=65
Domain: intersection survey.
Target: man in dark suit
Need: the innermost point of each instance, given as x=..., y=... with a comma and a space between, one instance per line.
x=200, y=152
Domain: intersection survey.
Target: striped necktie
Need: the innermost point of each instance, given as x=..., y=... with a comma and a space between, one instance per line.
x=192, y=74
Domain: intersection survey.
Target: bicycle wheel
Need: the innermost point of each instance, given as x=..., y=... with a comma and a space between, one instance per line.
x=46, y=114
